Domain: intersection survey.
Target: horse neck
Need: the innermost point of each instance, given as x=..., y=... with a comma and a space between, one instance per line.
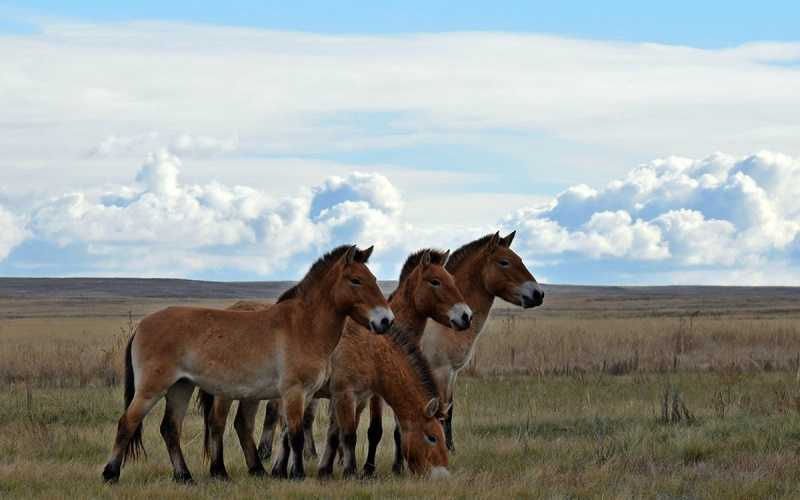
x=406, y=314
x=400, y=387
x=318, y=312
x=469, y=279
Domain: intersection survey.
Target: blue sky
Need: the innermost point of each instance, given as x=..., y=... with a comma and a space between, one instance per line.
x=626, y=142
x=711, y=24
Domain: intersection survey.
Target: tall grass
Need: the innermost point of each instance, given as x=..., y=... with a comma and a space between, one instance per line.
x=513, y=342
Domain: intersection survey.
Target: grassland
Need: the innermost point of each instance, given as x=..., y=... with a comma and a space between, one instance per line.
x=566, y=401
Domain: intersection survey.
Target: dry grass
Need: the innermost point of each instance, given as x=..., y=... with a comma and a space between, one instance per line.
x=585, y=398
x=525, y=344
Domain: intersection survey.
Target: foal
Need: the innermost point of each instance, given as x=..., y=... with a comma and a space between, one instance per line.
x=281, y=352
x=425, y=290
x=483, y=269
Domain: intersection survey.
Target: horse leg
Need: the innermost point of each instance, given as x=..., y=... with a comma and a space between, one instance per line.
x=448, y=429
x=346, y=418
x=397, y=467
x=325, y=467
x=294, y=406
x=280, y=465
x=374, y=433
x=128, y=428
x=244, y=424
x=310, y=450
x=216, y=427
x=448, y=421
x=178, y=397
x=271, y=418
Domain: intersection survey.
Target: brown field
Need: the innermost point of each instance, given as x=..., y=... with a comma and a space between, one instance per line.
x=601, y=393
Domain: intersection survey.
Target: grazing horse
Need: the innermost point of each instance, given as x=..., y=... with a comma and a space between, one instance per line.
x=361, y=367
x=394, y=368
x=483, y=269
x=283, y=351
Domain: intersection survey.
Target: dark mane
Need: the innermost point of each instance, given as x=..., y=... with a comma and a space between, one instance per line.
x=403, y=340
x=437, y=257
x=319, y=268
x=459, y=255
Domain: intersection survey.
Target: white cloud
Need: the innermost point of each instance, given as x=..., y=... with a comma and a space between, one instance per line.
x=679, y=213
x=222, y=90
x=12, y=232
x=160, y=224
x=675, y=219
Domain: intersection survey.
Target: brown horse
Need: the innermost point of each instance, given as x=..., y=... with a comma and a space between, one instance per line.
x=393, y=368
x=281, y=352
x=425, y=290
x=483, y=269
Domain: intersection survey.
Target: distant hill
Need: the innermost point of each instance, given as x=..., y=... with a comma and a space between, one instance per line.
x=21, y=288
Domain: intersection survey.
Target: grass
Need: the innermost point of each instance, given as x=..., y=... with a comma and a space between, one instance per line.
x=576, y=400
x=591, y=436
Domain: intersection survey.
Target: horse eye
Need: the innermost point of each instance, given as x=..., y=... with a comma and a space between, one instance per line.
x=504, y=263
x=430, y=439
x=435, y=282
x=355, y=281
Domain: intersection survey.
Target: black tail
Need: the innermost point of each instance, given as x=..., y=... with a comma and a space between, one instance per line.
x=204, y=403
x=135, y=446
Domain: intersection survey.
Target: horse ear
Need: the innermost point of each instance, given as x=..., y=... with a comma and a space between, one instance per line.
x=350, y=256
x=432, y=407
x=445, y=257
x=506, y=241
x=493, y=243
x=366, y=253
x=425, y=260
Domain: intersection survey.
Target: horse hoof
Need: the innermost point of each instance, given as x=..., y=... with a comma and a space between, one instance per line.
x=297, y=475
x=183, y=478
x=257, y=471
x=369, y=470
x=325, y=473
x=349, y=473
x=397, y=469
x=278, y=473
x=218, y=473
x=110, y=474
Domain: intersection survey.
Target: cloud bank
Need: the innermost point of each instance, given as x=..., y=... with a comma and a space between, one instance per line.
x=157, y=224
x=677, y=214
x=718, y=219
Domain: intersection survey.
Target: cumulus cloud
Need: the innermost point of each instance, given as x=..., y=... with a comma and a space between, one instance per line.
x=720, y=219
x=679, y=213
x=159, y=222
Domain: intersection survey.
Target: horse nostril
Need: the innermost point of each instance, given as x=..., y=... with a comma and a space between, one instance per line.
x=385, y=322
x=465, y=318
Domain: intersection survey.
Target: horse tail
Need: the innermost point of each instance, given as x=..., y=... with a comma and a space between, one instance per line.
x=205, y=402
x=135, y=446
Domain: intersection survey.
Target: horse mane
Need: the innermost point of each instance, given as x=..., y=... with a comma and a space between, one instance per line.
x=319, y=268
x=437, y=257
x=403, y=341
x=465, y=250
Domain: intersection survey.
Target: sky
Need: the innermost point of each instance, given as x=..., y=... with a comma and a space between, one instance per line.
x=625, y=143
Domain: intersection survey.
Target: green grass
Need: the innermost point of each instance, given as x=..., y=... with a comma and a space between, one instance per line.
x=591, y=436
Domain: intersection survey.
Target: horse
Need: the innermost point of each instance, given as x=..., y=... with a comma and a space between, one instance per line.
x=281, y=352
x=425, y=289
x=393, y=368
x=483, y=269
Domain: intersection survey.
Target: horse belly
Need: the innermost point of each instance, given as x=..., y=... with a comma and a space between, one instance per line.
x=261, y=381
